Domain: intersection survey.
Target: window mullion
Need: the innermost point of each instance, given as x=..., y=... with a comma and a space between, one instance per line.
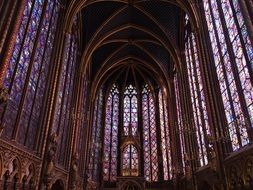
x=54, y=12
x=21, y=47
x=110, y=155
x=65, y=84
x=233, y=66
x=242, y=41
x=150, y=149
x=196, y=120
x=15, y=130
x=167, y=133
x=95, y=135
x=29, y=70
x=225, y=77
x=40, y=69
x=68, y=102
x=197, y=82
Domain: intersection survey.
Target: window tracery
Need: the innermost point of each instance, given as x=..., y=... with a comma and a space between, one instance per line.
x=198, y=101
x=233, y=57
x=96, y=138
x=149, y=135
x=110, y=151
x=28, y=71
x=130, y=110
x=165, y=136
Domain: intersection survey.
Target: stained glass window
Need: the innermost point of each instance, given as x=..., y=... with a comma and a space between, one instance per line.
x=130, y=161
x=200, y=117
x=180, y=120
x=96, y=141
x=28, y=71
x=165, y=136
x=233, y=57
x=130, y=110
x=62, y=114
x=149, y=135
x=83, y=124
x=110, y=152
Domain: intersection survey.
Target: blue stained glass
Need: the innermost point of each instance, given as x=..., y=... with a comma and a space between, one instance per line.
x=20, y=62
x=165, y=136
x=110, y=152
x=237, y=125
x=197, y=97
x=149, y=136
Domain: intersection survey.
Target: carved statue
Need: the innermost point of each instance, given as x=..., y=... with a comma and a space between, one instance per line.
x=213, y=158
x=73, y=171
x=187, y=167
x=51, y=154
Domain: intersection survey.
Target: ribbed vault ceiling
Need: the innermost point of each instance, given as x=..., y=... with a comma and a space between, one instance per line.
x=133, y=38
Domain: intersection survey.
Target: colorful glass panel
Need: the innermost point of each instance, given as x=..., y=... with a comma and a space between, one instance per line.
x=197, y=98
x=96, y=141
x=149, y=136
x=130, y=110
x=230, y=64
x=180, y=120
x=110, y=152
x=130, y=161
x=28, y=71
x=165, y=136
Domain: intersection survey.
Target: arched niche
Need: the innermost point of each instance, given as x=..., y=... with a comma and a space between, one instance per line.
x=58, y=185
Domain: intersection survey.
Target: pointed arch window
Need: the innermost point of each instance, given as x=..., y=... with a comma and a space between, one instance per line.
x=28, y=71
x=149, y=135
x=110, y=152
x=130, y=110
x=165, y=136
x=130, y=161
x=180, y=120
x=96, y=140
x=233, y=58
x=62, y=113
x=200, y=117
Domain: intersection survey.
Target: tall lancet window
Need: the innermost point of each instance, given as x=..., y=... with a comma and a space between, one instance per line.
x=130, y=161
x=149, y=135
x=233, y=57
x=110, y=152
x=130, y=110
x=165, y=136
x=63, y=114
x=200, y=118
x=180, y=120
x=96, y=141
x=28, y=72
